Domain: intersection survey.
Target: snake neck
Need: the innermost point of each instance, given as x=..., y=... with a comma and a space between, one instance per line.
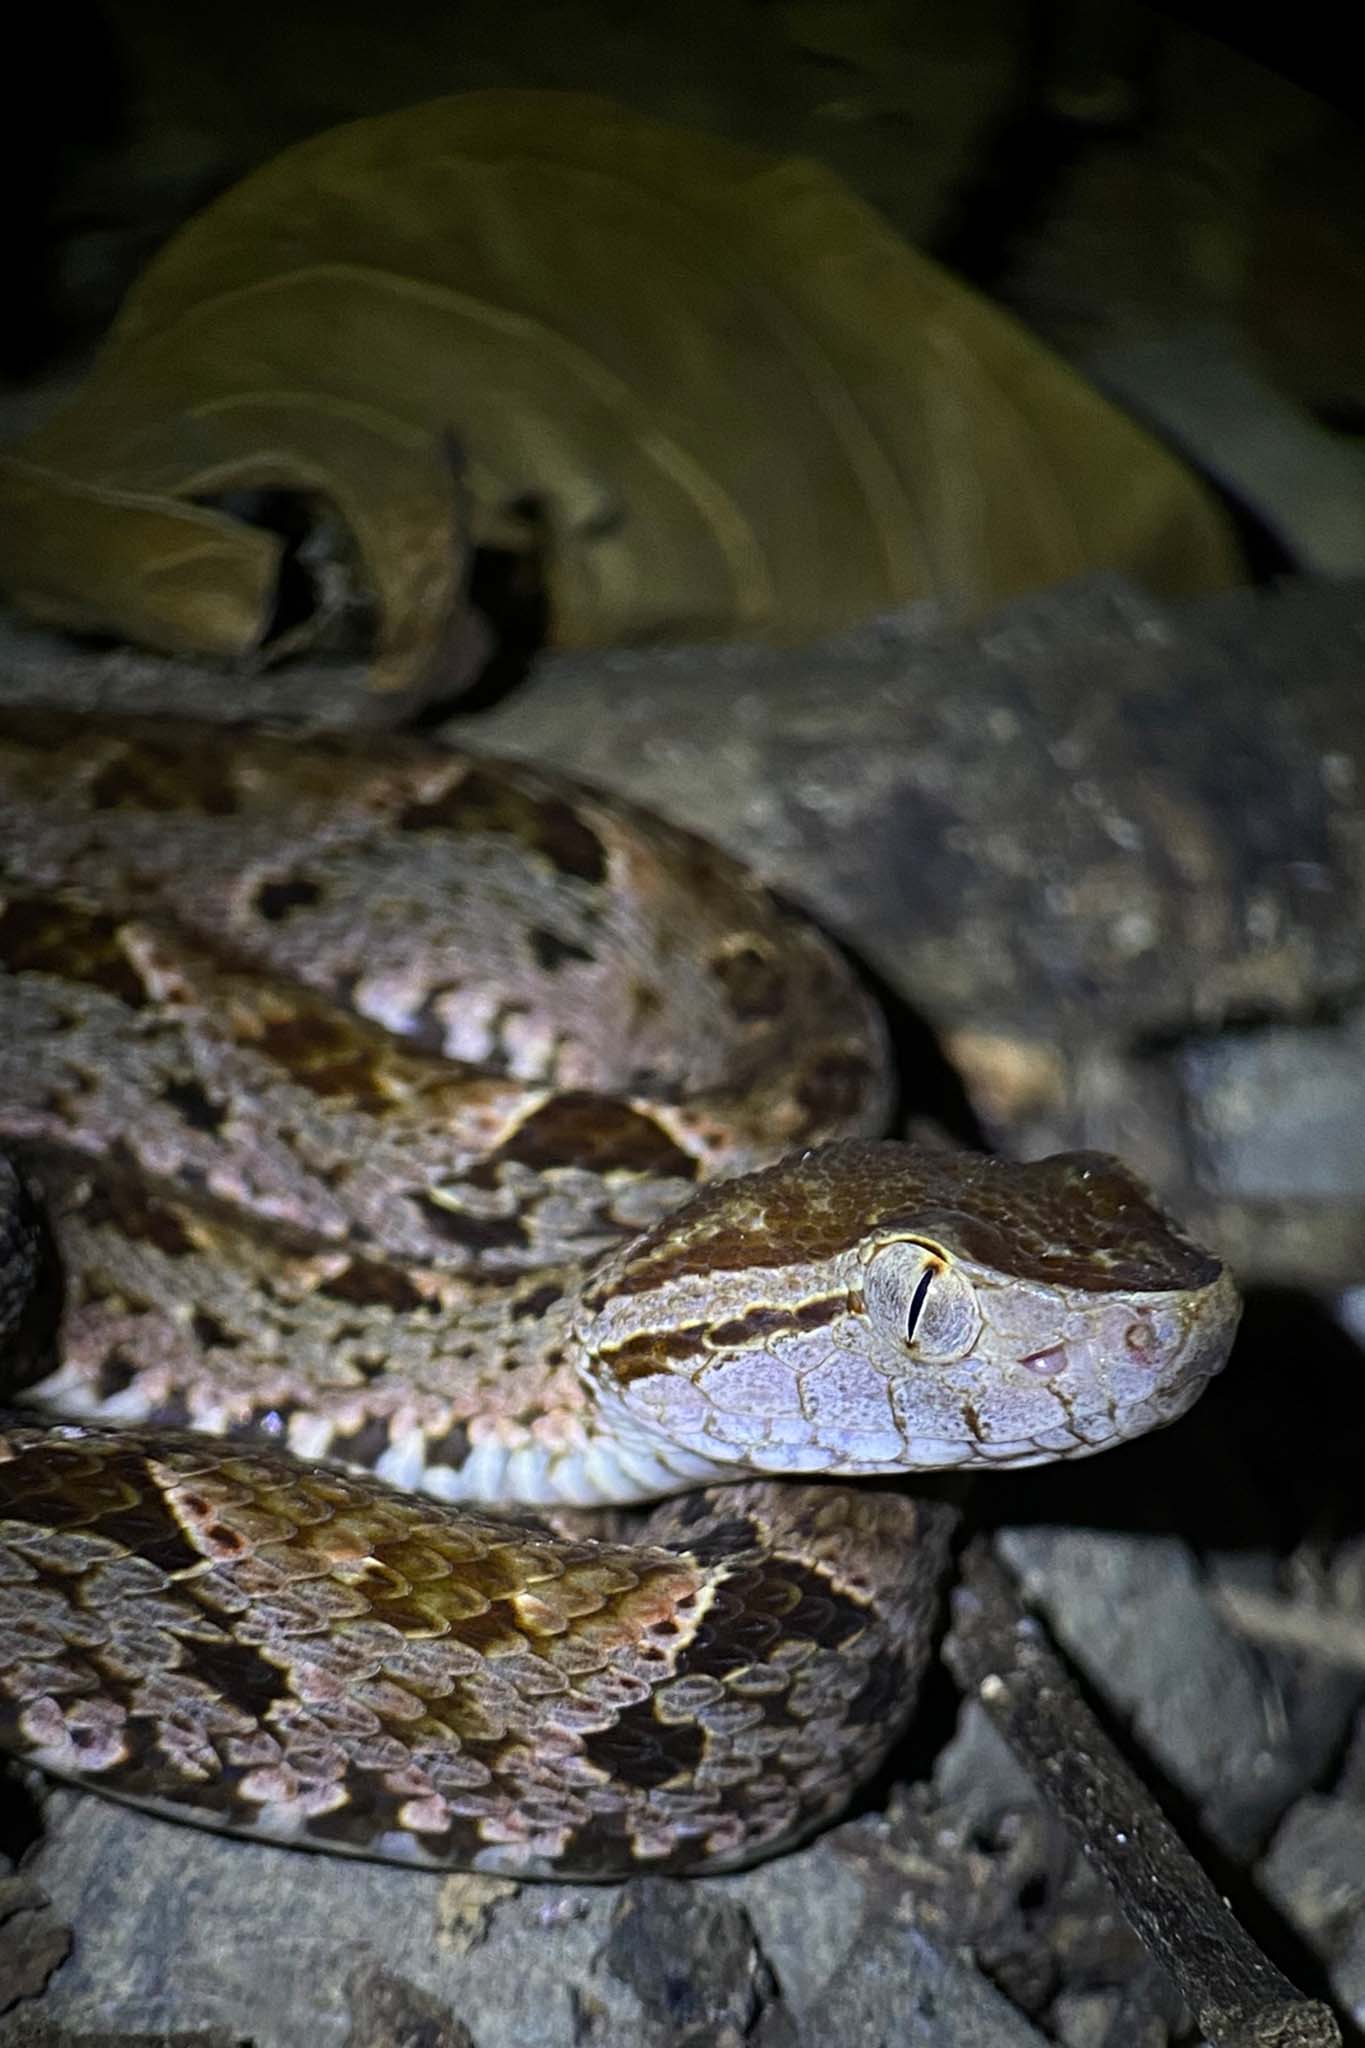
x=467, y=1389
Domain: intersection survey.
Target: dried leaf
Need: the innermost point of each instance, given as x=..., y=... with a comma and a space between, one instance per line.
x=738, y=402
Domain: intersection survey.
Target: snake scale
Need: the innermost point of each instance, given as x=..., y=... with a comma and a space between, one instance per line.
x=408, y=1154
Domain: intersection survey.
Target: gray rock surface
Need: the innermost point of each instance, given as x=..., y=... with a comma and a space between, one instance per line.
x=180, y=1931
x=1137, y=1616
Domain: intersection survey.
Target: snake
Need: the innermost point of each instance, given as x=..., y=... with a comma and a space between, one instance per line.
x=483, y=1392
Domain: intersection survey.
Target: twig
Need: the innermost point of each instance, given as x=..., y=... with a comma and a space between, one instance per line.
x=1334, y=1635
x=997, y=1652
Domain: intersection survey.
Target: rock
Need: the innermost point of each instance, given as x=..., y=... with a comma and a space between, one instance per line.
x=176, y=1928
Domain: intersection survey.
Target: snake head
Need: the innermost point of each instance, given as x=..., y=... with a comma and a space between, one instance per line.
x=873, y=1308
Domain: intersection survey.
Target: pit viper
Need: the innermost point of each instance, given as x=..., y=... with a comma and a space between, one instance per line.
x=414, y=1164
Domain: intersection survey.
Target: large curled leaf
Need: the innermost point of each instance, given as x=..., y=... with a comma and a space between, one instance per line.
x=738, y=402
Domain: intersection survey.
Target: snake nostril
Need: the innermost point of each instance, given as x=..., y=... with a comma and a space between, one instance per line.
x=1140, y=1337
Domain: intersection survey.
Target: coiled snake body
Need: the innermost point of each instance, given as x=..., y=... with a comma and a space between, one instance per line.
x=444, y=1122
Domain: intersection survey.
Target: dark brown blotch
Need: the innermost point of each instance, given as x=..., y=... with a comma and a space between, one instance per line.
x=758, y=1607
x=642, y=1751
x=597, y=1133
x=757, y=1324
x=365, y=1283
x=163, y=775
x=276, y=899
x=752, y=979
x=329, y=1055
x=424, y=1029
x=236, y=1670
x=116, y=1374
x=172, y=1413
x=355, y=1823
x=471, y=1233
x=136, y=1214
x=362, y=1446
x=645, y=1356
x=720, y=1541
x=450, y=1448
x=550, y=951
x=113, y=1495
x=190, y=1102
x=39, y=935
x=543, y=822
x=811, y=1607
x=602, y=1847
x=527, y=1307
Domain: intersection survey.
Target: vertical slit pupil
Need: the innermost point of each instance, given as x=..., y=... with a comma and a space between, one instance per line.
x=917, y=1301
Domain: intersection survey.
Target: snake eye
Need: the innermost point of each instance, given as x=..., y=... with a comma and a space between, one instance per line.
x=916, y=1293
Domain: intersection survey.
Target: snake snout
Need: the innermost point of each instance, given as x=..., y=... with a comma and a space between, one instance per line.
x=1111, y=1368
